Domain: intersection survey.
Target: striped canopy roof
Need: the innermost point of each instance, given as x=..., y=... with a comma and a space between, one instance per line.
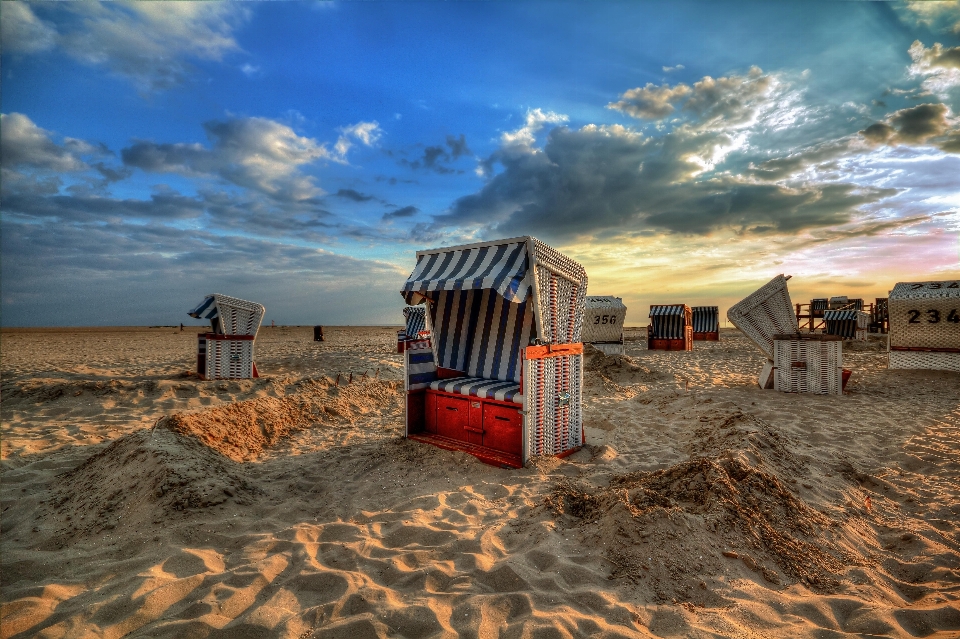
x=501, y=266
x=206, y=310
x=668, y=309
x=841, y=315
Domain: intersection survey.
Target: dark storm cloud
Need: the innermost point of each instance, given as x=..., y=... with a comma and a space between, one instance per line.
x=922, y=124
x=351, y=194
x=87, y=208
x=610, y=179
x=407, y=211
x=436, y=158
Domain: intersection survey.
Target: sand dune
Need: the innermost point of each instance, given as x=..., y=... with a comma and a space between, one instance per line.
x=140, y=501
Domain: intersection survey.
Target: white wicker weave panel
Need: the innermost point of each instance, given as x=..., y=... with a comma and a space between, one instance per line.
x=603, y=324
x=229, y=359
x=764, y=313
x=555, y=426
x=566, y=325
x=238, y=317
x=808, y=366
x=925, y=360
x=925, y=314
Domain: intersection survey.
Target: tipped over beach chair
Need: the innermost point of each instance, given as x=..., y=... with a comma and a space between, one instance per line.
x=671, y=328
x=706, y=323
x=603, y=323
x=501, y=377
x=226, y=352
x=925, y=325
x=415, y=327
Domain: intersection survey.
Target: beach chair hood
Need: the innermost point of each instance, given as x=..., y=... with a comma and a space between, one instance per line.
x=230, y=315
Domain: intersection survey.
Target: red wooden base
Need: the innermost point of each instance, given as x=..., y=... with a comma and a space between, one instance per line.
x=483, y=453
x=707, y=337
x=658, y=344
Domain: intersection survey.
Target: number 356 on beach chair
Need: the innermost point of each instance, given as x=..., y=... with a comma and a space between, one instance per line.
x=502, y=374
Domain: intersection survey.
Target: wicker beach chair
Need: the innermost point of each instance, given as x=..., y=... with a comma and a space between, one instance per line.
x=925, y=325
x=706, y=323
x=847, y=323
x=671, y=328
x=808, y=363
x=501, y=377
x=764, y=313
x=603, y=323
x=226, y=352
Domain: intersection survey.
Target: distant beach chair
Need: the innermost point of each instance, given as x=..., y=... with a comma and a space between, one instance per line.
x=671, y=328
x=847, y=323
x=415, y=326
x=880, y=318
x=603, y=323
x=925, y=325
x=706, y=323
x=226, y=352
x=501, y=376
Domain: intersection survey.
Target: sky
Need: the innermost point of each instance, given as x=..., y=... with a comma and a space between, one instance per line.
x=298, y=154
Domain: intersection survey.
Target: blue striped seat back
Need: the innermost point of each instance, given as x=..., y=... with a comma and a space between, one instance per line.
x=481, y=333
x=706, y=319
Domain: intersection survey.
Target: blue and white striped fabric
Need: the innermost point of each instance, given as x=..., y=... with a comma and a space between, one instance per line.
x=482, y=388
x=841, y=315
x=481, y=333
x=416, y=320
x=668, y=321
x=206, y=310
x=819, y=304
x=706, y=319
x=421, y=369
x=501, y=267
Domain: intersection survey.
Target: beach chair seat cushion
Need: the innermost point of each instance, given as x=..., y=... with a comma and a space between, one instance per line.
x=504, y=391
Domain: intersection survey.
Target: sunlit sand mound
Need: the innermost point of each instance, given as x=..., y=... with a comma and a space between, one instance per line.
x=140, y=477
x=619, y=369
x=671, y=531
x=242, y=430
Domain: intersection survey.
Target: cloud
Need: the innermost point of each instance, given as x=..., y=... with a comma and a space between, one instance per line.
x=604, y=181
x=533, y=123
x=368, y=133
x=147, y=43
x=24, y=144
x=22, y=32
x=435, y=158
x=719, y=103
x=89, y=268
x=249, y=70
x=939, y=15
x=923, y=124
x=351, y=194
x=407, y=211
x=255, y=153
x=938, y=66
x=678, y=67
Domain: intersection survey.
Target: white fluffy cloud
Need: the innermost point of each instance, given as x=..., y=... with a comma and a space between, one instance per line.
x=938, y=66
x=533, y=123
x=24, y=144
x=255, y=153
x=148, y=43
x=22, y=31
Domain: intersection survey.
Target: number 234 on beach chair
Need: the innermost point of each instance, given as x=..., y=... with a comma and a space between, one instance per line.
x=501, y=377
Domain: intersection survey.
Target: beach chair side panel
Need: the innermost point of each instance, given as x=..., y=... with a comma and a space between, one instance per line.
x=553, y=389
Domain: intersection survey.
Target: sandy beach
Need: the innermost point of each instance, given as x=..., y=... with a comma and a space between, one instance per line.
x=141, y=501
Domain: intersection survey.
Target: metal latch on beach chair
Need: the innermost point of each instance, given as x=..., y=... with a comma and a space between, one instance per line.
x=563, y=399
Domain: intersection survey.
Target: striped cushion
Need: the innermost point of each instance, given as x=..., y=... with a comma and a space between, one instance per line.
x=420, y=369
x=482, y=388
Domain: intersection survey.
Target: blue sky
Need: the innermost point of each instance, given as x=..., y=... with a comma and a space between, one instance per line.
x=298, y=154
